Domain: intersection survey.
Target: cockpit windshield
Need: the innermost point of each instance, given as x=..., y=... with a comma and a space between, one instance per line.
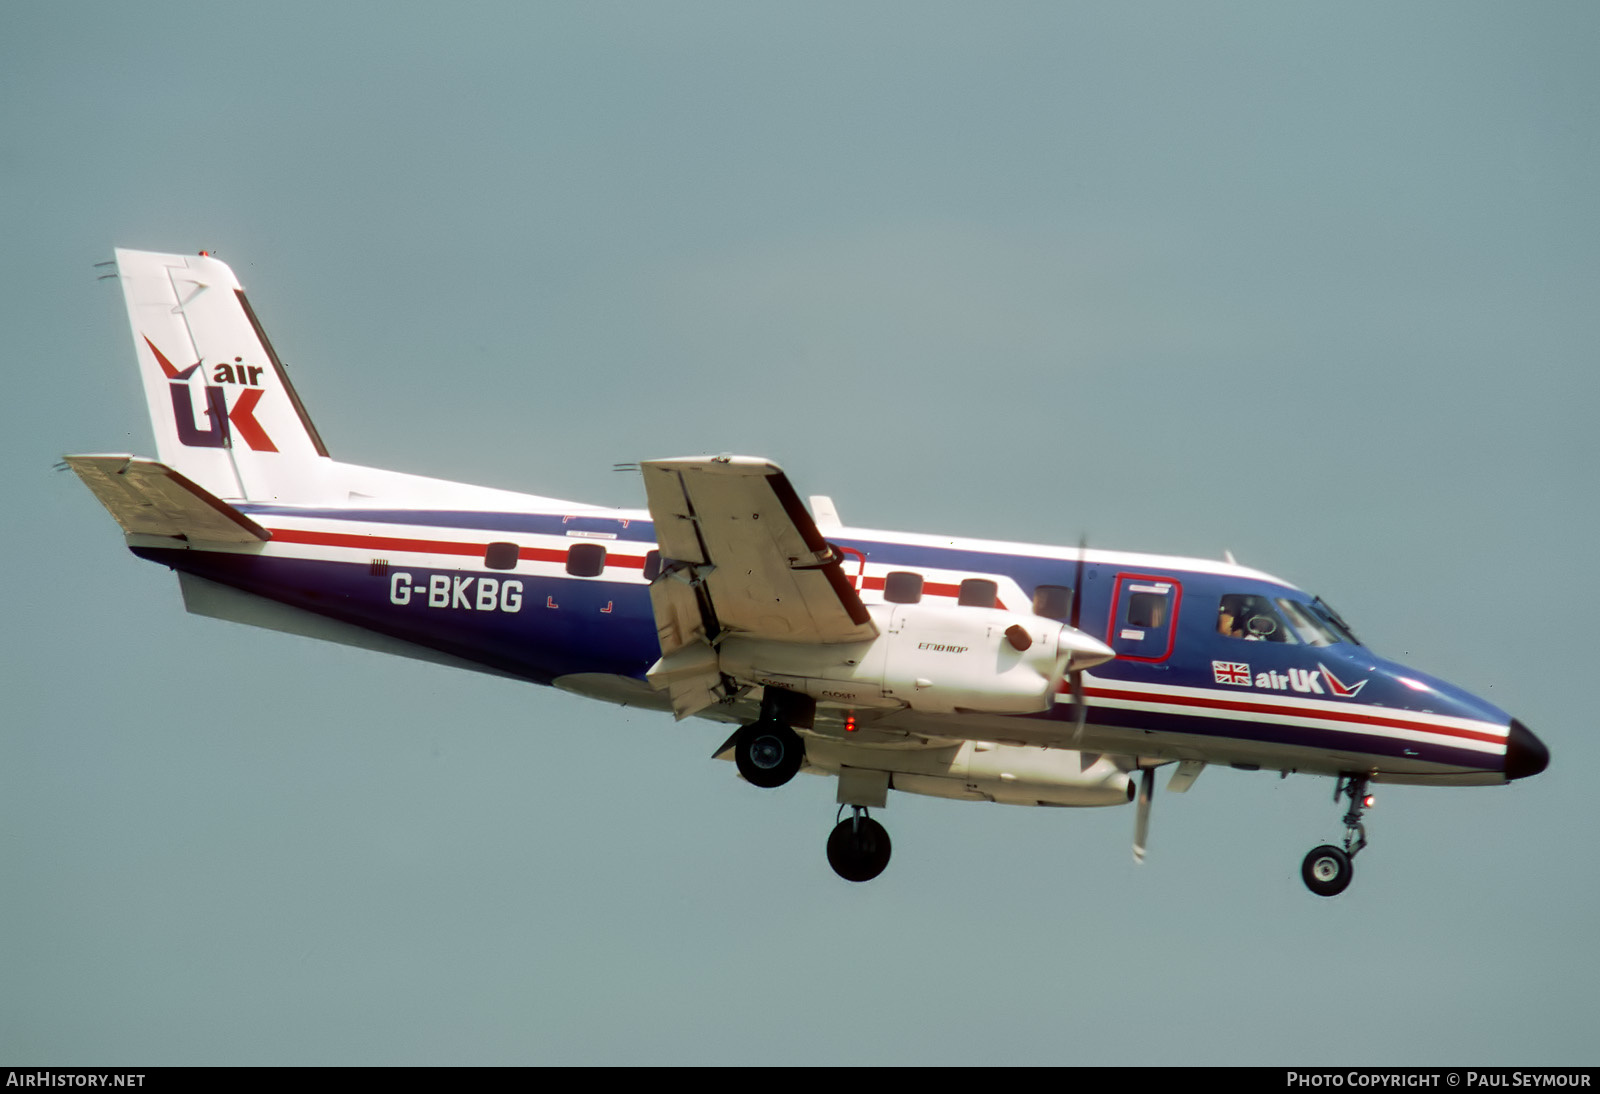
x=1334, y=620
x=1293, y=622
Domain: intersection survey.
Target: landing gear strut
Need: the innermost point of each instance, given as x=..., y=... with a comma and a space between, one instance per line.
x=1327, y=870
x=858, y=849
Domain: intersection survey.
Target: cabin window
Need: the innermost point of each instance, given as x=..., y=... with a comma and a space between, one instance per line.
x=902, y=587
x=1053, y=602
x=977, y=592
x=652, y=565
x=1147, y=610
x=586, y=559
x=501, y=556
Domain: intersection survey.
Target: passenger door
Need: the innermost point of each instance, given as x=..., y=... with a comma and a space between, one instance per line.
x=1144, y=617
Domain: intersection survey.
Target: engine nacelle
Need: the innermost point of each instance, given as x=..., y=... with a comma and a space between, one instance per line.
x=932, y=658
x=984, y=771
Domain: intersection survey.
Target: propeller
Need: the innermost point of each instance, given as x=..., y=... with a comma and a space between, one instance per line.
x=1080, y=708
x=1141, y=821
x=1075, y=651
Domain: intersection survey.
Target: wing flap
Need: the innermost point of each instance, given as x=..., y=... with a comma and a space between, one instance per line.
x=765, y=569
x=740, y=554
x=149, y=498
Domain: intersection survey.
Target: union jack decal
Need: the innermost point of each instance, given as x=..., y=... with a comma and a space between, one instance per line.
x=1231, y=672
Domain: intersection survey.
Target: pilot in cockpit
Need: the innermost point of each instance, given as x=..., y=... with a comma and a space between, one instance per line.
x=1247, y=617
x=1226, y=622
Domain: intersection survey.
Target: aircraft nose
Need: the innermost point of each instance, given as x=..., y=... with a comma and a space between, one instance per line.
x=1525, y=754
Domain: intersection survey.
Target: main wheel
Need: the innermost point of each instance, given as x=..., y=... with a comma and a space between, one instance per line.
x=858, y=849
x=768, y=753
x=1327, y=870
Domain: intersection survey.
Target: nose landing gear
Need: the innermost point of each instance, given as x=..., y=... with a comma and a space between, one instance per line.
x=1327, y=870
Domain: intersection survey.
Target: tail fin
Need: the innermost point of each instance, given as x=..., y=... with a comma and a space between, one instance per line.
x=224, y=412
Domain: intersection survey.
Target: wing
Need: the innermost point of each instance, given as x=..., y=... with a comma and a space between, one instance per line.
x=740, y=554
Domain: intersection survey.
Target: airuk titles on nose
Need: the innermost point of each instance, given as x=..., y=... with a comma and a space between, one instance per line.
x=1238, y=674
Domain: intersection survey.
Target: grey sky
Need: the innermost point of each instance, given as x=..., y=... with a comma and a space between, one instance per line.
x=1314, y=283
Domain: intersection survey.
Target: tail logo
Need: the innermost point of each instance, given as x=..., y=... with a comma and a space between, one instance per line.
x=222, y=421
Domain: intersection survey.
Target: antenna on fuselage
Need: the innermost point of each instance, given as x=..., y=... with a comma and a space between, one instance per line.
x=1141, y=819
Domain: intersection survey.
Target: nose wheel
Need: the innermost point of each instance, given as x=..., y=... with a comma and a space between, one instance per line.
x=1327, y=870
x=858, y=848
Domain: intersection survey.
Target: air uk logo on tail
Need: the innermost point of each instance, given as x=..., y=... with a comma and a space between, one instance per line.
x=222, y=422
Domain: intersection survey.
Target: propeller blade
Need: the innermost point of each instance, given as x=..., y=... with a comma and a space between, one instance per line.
x=1141, y=823
x=1077, y=583
x=1080, y=710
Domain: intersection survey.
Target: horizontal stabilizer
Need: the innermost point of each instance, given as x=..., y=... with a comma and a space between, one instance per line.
x=151, y=499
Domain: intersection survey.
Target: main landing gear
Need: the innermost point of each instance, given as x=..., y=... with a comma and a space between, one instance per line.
x=768, y=752
x=1327, y=870
x=858, y=848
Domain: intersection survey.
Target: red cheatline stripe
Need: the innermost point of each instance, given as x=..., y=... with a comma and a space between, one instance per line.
x=376, y=543
x=530, y=554
x=929, y=588
x=1301, y=712
x=431, y=546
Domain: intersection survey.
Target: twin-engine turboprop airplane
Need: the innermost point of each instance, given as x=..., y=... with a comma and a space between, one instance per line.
x=969, y=669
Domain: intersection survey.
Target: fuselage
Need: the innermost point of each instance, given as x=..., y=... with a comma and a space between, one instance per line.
x=1215, y=662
